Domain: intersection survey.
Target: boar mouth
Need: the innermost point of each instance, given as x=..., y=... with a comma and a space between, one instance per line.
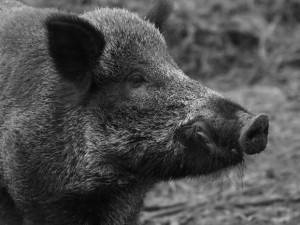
x=213, y=149
x=203, y=146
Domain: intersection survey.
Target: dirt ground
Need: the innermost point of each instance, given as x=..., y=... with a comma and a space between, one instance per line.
x=266, y=192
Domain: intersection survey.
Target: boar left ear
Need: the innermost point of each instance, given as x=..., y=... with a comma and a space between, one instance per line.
x=160, y=13
x=75, y=46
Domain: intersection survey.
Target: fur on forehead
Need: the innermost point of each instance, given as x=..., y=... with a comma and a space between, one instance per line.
x=124, y=24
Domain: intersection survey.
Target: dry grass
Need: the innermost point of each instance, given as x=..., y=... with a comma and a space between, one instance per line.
x=249, y=50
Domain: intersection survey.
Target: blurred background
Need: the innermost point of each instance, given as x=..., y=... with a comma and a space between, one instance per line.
x=249, y=50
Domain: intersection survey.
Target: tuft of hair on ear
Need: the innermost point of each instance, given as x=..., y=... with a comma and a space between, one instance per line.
x=75, y=46
x=160, y=13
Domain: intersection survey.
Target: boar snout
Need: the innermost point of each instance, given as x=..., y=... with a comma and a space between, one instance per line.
x=254, y=135
x=245, y=134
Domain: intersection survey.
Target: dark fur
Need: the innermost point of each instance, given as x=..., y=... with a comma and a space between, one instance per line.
x=94, y=112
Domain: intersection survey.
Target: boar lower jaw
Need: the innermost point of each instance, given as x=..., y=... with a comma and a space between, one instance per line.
x=199, y=143
x=214, y=159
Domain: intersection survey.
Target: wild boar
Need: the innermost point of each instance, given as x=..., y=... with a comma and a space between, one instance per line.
x=94, y=112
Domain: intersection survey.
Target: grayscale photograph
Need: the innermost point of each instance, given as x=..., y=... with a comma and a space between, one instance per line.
x=149, y=112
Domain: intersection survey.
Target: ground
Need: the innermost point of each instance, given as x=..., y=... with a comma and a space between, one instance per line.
x=249, y=51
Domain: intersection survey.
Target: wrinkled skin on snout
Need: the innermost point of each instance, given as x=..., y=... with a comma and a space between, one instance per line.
x=94, y=111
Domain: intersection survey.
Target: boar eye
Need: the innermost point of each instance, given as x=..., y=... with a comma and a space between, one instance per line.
x=136, y=79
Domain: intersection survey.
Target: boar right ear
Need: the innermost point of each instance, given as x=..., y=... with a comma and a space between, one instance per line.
x=160, y=13
x=75, y=45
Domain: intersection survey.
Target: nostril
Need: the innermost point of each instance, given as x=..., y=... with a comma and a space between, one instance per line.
x=252, y=134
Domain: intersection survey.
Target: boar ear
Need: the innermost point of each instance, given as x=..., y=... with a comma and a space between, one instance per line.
x=160, y=13
x=76, y=46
